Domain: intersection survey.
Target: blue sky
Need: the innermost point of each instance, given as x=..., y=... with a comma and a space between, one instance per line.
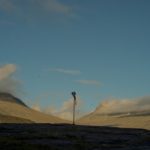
x=99, y=48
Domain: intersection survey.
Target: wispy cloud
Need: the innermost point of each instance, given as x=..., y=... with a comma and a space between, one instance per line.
x=36, y=107
x=7, y=82
x=7, y=5
x=53, y=6
x=6, y=71
x=65, y=71
x=5, y=22
x=65, y=111
x=89, y=82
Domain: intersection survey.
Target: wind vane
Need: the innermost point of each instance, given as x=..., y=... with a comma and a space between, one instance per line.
x=74, y=104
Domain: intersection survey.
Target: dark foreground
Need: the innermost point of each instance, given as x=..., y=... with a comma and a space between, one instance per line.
x=68, y=137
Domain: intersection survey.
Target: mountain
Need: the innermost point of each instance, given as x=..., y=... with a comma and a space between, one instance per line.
x=133, y=119
x=11, y=107
x=11, y=119
x=7, y=97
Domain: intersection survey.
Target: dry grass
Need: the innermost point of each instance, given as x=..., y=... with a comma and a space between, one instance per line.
x=117, y=121
x=16, y=110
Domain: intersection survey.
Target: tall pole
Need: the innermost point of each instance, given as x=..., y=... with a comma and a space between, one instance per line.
x=74, y=105
x=74, y=112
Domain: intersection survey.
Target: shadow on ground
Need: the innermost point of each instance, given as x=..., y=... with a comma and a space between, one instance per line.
x=64, y=136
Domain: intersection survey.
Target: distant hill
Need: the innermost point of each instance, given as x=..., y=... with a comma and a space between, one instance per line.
x=135, y=119
x=14, y=107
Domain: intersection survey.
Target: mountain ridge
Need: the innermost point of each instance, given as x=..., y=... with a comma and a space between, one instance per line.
x=12, y=106
x=11, y=98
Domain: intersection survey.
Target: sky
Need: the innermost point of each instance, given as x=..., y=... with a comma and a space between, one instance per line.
x=98, y=48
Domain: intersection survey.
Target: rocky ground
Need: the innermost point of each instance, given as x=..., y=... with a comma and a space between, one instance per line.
x=62, y=137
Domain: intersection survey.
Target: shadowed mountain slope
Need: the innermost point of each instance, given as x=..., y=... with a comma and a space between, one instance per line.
x=7, y=97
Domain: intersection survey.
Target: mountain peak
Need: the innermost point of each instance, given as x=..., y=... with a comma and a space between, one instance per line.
x=7, y=97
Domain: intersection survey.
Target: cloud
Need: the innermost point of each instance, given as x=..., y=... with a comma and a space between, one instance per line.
x=7, y=5
x=89, y=82
x=70, y=72
x=5, y=22
x=124, y=105
x=7, y=82
x=53, y=6
x=6, y=71
x=36, y=107
x=65, y=111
